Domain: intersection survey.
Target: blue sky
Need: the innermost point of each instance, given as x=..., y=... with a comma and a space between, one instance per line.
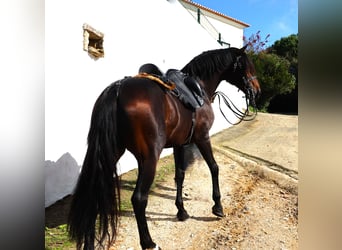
x=279, y=18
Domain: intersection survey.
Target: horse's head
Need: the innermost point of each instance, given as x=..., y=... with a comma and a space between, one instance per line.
x=242, y=74
x=232, y=65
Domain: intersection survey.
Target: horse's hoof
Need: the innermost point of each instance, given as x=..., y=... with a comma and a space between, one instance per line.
x=182, y=215
x=155, y=248
x=218, y=211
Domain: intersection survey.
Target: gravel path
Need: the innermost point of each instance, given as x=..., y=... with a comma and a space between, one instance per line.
x=259, y=213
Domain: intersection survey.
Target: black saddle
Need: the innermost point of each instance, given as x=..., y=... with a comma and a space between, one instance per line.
x=150, y=68
x=187, y=90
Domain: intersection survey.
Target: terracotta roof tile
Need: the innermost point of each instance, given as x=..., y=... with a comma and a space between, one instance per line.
x=215, y=12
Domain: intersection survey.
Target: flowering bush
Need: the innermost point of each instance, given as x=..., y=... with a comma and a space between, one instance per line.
x=255, y=43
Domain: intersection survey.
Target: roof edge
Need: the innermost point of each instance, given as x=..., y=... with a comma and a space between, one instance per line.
x=215, y=12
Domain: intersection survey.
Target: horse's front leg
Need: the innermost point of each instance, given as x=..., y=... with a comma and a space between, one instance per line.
x=178, y=153
x=207, y=153
x=139, y=199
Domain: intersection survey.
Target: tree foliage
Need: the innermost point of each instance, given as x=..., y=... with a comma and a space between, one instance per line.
x=287, y=47
x=273, y=75
x=276, y=66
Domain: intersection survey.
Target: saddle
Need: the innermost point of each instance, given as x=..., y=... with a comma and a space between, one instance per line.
x=184, y=87
x=187, y=89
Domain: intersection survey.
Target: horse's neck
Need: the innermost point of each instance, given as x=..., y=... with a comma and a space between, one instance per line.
x=211, y=85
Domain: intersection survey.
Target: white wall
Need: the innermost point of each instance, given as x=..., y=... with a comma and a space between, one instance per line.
x=229, y=33
x=134, y=33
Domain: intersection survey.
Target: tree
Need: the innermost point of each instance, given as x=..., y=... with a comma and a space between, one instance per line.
x=273, y=75
x=286, y=47
x=276, y=66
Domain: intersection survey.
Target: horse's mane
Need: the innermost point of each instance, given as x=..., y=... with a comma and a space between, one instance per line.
x=248, y=64
x=209, y=62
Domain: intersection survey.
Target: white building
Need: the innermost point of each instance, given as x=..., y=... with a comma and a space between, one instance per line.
x=226, y=30
x=126, y=35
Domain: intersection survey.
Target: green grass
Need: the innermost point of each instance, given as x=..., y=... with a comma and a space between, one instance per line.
x=56, y=238
x=165, y=170
x=252, y=109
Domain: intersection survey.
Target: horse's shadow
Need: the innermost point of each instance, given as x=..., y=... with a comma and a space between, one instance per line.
x=155, y=216
x=128, y=185
x=57, y=214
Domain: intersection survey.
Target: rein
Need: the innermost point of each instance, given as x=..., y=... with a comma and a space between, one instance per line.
x=242, y=116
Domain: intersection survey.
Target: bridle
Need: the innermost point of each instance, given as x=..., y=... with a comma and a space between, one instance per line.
x=247, y=82
x=250, y=96
x=249, y=91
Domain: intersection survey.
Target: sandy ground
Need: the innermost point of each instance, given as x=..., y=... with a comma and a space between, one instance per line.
x=258, y=180
x=259, y=213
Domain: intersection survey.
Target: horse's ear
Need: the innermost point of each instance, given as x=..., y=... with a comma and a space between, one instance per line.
x=244, y=48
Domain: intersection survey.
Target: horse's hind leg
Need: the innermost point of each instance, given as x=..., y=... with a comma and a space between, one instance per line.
x=147, y=168
x=207, y=153
x=178, y=153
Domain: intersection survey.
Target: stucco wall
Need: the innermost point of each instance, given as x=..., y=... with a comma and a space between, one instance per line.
x=231, y=31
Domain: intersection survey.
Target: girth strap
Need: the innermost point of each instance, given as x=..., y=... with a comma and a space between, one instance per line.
x=193, y=123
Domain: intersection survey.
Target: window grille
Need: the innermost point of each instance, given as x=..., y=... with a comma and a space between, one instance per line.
x=93, y=42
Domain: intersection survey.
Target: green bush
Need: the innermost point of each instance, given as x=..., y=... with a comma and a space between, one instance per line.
x=273, y=75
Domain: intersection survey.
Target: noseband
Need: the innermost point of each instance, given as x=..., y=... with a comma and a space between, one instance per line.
x=249, y=79
x=250, y=95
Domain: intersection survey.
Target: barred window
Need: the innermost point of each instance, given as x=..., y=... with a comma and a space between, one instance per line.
x=93, y=42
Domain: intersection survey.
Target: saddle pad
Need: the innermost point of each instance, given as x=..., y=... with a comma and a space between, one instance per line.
x=167, y=84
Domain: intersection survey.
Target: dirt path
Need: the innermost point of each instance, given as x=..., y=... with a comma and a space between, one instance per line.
x=258, y=189
x=259, y=213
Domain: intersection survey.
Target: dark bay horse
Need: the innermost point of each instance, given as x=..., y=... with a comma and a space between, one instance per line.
x=141, y=116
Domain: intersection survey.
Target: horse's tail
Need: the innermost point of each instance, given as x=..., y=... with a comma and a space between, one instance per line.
x=97, y=193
